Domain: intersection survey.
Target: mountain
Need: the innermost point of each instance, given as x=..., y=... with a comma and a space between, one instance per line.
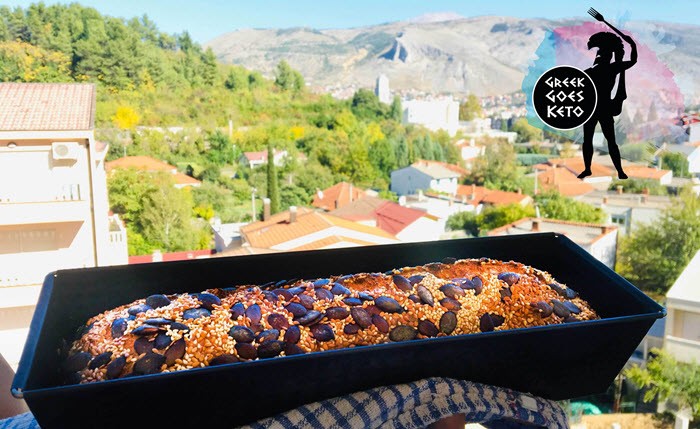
x=437, y=52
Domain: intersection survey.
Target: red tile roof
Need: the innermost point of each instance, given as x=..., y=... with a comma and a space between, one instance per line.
x=278, y=230
x=337, y=196
x=576, y=166
x=561, y=180
x=646, y=173
x=476, y=195
x=394, y=218
x=47, y=106
x=146, y=163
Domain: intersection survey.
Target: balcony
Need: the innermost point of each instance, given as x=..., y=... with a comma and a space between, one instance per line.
x=36, y=204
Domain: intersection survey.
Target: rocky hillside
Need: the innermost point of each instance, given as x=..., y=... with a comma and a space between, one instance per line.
x=441, y=52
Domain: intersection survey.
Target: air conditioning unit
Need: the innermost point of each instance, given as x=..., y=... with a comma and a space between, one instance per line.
x=65, y=150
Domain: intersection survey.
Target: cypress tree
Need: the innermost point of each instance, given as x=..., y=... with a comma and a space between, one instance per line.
x=272, y=182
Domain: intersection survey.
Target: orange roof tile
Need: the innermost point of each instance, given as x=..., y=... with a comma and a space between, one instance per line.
x=145, y=163
x=337, y=196
x=278, y=229
x=394, y=218
x=362, y=209
x=185, y=180
x=562, y=180
x=576, y=166
x=645, y=173
x=330, y=241
x=243, y=251
x=479, y=195
x=47, y=106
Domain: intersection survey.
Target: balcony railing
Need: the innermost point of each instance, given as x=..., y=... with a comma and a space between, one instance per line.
x=64, y=192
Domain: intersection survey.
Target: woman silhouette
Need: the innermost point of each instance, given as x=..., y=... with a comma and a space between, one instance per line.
x=604, y=73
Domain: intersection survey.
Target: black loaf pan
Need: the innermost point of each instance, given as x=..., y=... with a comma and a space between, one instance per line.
x=556, y=362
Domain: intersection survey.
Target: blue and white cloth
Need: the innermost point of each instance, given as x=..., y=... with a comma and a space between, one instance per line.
x=405, y=406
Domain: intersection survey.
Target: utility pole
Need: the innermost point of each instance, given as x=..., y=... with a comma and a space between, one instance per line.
x=252, y=198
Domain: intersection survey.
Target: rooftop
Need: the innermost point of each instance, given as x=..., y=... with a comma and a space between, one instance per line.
x=439, y=170
x=686, y=287
x=646, y=173
x=476, y=195
x=145, y=163
x=576, y=166
x=337, y=196
x=262, y=155
x=562, y=180
x=279, y=229
x=578, y=232
x=612, y=198
x=47, y=106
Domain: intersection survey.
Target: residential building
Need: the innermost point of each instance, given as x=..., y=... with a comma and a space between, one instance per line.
x=628, y=211
x=598, y=240
x=482, y=127
x=226, y=235
x=437, y=114
x=381, y=89
x=54, y=212
x=337, y=196
x=152, y=165
x=440, y=206
x=690, y=150
x=407, y=224
x=469, y=151
x=682, y=337
x=256, y=159
x=424, y=175
x=305, y=229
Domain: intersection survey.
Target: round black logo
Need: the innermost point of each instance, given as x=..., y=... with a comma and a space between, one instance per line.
x=564, y=97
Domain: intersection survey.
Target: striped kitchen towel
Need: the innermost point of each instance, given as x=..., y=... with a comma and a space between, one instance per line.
x=405, y=406
x=418, y=404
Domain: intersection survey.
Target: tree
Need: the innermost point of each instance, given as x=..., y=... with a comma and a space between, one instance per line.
x=675, y=162
x=491, y=217
x=366, y=105
x=498, y=168
x=470, y=109
x=395, y=110
x=638, y=152
x=125, y=118
x=272, y=182
x=166, y=219
x=669, y=379
x=504, y=125
x=556, y=206
x=220, y=148
x=653, y=255
x=287, y=78
x=526, y=132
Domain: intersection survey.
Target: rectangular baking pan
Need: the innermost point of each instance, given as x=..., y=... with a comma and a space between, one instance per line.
x=555, y=362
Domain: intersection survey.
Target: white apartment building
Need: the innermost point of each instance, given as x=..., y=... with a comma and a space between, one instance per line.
x=682, y=337
x=54, y=212
x=439, y=114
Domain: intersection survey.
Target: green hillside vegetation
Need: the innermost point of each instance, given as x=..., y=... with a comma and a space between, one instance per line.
x=149, y=81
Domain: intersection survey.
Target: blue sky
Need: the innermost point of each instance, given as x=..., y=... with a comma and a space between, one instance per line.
x=207, y=19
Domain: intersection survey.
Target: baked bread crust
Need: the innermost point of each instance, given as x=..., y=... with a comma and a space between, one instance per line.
x=218, y=326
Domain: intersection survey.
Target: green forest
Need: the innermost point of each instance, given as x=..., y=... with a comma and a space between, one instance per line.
x=163, y=95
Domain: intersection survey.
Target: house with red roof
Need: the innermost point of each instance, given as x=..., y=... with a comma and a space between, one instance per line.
x=152, y=165
x=407, y=224
x=306, y=229
x=337, y=196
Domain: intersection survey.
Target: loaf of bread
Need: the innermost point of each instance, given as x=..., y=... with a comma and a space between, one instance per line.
x=221, y=326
